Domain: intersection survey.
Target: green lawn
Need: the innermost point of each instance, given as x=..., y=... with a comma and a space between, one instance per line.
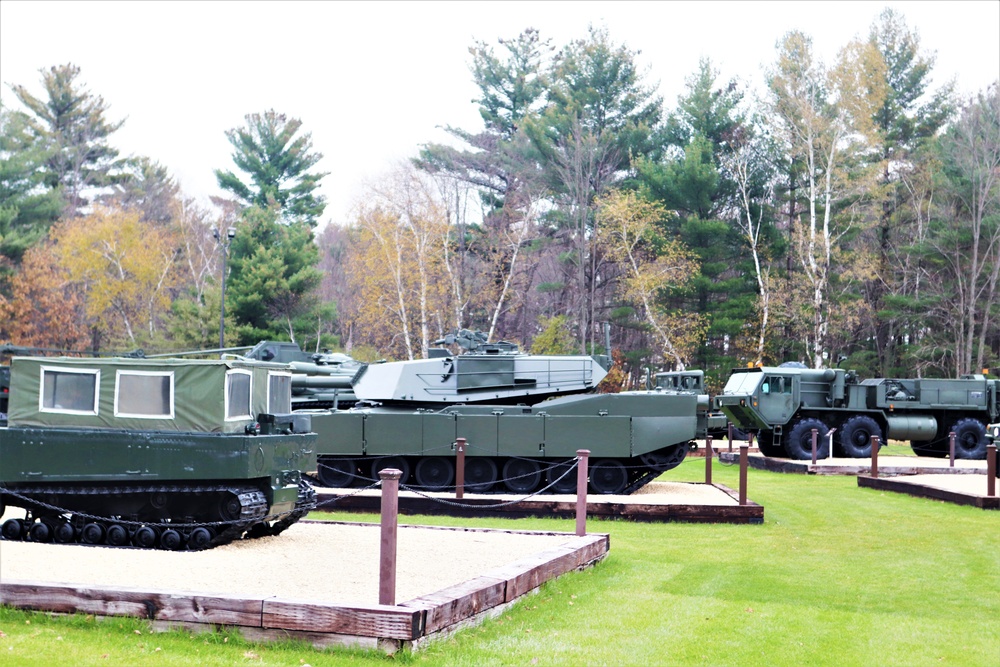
x=836, y=575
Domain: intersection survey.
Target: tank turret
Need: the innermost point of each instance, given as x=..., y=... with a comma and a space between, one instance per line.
x=481, y=373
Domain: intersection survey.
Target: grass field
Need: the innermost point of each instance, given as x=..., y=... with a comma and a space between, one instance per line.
x=836, y=575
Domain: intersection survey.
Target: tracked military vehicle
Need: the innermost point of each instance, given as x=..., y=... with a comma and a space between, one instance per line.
x=523, y=417
x=164, y=453
x=784, y=406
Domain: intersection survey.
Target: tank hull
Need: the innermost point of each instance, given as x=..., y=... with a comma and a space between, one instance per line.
x=644, y=432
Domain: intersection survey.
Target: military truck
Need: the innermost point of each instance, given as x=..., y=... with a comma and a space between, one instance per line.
x=523, y=417
x=167, y=453
x=784, y=405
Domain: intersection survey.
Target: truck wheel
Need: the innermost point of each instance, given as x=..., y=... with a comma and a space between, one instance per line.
x=856, y=436
x=798, y=444
x=970, y=439
x=765, y=443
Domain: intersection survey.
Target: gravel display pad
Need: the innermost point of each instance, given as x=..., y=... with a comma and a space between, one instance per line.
x=329, y=562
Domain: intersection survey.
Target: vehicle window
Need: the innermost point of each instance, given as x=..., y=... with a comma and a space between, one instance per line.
x=69, y=391
x=238, y=395
x=144, y=394
x=279, y=393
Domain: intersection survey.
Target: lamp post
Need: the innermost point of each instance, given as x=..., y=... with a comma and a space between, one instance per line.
x=224, y=243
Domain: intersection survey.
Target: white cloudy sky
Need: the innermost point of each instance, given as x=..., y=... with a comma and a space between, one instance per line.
x=372, y=81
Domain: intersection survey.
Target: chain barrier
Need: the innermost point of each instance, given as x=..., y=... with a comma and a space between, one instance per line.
x=507, y=503
x=336, y=499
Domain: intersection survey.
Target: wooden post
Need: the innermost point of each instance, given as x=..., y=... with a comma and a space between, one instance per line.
x=744, y=460
x=730, y=436
x=815, y=434
x=951, y=448
x=582, y=456
x=991, y=470
x=708, y=459
x=459, y=468
x=390, y=519
x=875, y=445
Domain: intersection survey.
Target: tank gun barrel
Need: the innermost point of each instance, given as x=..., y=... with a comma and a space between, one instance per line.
x=301, y=380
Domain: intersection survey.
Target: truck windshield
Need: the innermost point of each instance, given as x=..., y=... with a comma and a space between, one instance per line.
x=742, y=383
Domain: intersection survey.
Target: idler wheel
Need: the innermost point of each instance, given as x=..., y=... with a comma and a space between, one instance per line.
x=171, y=540
x=199, y=539
x=117, y=535
x=13, y=529
x=40, y=532
x=145, y=537
x=92, y=533
x=65, y=533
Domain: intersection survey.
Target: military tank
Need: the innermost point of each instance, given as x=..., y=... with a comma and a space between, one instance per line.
x=523, y=418
x=152, y=453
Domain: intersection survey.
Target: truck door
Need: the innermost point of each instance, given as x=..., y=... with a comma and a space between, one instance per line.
x=777, y=399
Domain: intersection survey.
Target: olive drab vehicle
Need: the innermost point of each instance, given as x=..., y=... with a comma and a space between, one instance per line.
x=784, y=405
x=523, y=417
x=166, y=453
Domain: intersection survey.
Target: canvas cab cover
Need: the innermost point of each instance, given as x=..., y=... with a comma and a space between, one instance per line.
x=185, y=395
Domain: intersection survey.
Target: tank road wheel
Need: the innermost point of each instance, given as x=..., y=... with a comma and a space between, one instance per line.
x=40, y=532
x=199, y=539
x=65, y=533
x=92, y=533
x=144, y=538
x=970, y=439
x=117, y=535
x=521, y=475
x=480, y=474
x=608, y=476
x=13, y=529
x=337, y=473
x=855, y=437
x=568, y=482
x=765, y=443
x=397, y=462
x=171, y=540
x=230, y=507
x=435, y=473
x=798, y=444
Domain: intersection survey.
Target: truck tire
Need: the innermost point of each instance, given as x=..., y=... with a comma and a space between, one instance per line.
x=970, y=439
x=798, y=444
x=765, y=443
x=855, y=437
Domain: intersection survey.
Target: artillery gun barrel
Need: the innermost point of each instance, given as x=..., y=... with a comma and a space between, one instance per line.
x=321, y=381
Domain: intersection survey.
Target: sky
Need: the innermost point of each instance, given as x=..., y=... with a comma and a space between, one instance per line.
x=374, y=81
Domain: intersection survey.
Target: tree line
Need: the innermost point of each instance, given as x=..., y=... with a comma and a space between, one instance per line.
x=849, y=213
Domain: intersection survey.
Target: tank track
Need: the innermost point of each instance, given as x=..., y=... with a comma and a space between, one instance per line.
x=150, y=527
